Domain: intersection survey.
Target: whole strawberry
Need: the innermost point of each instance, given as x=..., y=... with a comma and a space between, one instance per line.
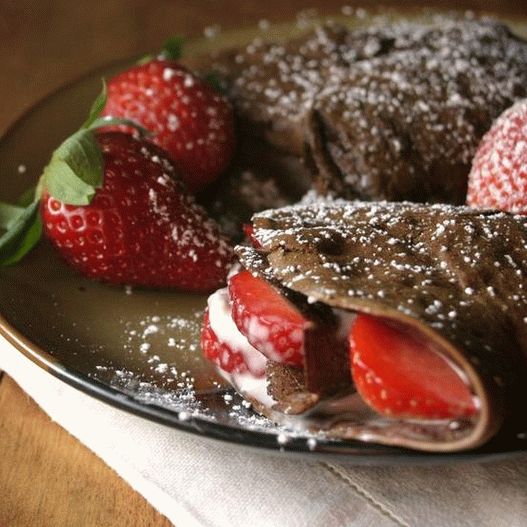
x=498, y=179
x=190, y=120
x=141, y=227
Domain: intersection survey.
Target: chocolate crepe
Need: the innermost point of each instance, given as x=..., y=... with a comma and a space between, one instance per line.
x=457, y=275
x=272, y=85
x=388, y=112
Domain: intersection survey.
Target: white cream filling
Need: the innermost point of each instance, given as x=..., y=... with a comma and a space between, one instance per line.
x=255, y=385
x=252, y=383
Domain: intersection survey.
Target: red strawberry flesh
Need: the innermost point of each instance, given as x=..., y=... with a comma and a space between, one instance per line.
x=218, y=352
x=248, y=230
x=269, y=321
x=222, y=342
x=141, y=228
x=400, y=374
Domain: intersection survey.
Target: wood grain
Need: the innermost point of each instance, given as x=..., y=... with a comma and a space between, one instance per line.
x=47, y=478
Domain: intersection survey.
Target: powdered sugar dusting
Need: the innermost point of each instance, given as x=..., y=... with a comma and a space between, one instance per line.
x=172, y=372
x=314, y=83
x=292, y=75
x=401, y=107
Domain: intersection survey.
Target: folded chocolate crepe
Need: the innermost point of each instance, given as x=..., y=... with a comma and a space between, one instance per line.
x=453, y=275
x=388, y=112
x=272, y=84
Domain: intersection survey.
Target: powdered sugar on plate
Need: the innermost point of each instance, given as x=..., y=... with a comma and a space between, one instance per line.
x=185, y=383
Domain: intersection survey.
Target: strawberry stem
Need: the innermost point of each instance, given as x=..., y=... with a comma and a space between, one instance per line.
x=97, y=107
x=101, y=122
x=214, y=80
x=173, y=48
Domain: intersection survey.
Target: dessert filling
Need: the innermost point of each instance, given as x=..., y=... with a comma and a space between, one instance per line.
x=239, y=363
x=398, y=372
x=283, y=358
x=404, y=387
x=269, y=321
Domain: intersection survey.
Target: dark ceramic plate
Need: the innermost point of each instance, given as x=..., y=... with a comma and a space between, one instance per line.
x=138, y=350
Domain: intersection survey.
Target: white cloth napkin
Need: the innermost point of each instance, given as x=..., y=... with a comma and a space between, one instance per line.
x=199, y=482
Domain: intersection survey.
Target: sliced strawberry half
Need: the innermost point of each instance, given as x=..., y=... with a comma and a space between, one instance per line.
x=269, y=321
x=400, y=374
x=222, y=342
x=219, y=352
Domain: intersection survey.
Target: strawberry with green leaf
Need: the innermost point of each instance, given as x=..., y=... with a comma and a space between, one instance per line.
x=117, y=210
x=189, y=119
x=68, y=169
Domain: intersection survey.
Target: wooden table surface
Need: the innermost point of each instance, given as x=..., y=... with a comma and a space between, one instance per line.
x=47, y=478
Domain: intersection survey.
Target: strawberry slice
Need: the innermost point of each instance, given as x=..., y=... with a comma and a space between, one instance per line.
x=400, y=374
x=219, y=352
x=269, y=321
x=223, y=344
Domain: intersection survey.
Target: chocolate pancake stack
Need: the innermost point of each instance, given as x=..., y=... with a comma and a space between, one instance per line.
x=388, y=112
x=455, y=275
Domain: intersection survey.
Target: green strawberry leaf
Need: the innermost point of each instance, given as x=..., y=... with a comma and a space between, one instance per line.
x=75, y=170
x=76, y=167
x=214, y=80
x=27, y=241
x=9, y=214
x=173, y=48
x=145, y=59
x=28, y=197
x=23, y=234
x=97, y=107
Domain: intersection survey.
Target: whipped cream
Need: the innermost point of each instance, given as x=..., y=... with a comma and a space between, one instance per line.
x=223, y=325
